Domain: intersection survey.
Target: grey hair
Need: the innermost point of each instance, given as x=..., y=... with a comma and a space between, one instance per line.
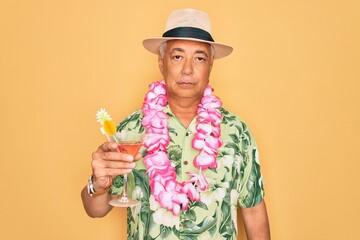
x=163, y=47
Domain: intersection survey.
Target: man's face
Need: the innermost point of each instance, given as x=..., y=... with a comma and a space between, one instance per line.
x=186, y=67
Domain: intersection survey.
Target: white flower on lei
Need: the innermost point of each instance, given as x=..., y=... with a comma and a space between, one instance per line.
x=218, y=194
x=162, y=215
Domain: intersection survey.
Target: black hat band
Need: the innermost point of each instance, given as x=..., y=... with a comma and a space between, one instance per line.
x=188, y=32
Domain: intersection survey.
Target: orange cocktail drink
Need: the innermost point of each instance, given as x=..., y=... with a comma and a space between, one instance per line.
x=129, y=147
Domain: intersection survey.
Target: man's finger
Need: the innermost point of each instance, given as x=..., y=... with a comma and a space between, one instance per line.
x=108, y=146
x=119, y=165
x=115, y=172
x=115, y=156
x=138, y=156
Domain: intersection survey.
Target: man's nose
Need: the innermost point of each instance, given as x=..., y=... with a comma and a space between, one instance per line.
x=187, y=67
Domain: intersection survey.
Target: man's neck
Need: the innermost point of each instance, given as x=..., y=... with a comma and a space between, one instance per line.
x=185, y=110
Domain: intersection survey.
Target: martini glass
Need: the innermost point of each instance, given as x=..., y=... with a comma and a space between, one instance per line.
x=129, y=142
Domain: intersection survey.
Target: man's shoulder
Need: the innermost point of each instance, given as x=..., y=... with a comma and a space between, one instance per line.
x=232, y=123
x=230, y=118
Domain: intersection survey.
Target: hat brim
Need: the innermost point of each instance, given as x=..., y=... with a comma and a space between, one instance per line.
x=153, y=45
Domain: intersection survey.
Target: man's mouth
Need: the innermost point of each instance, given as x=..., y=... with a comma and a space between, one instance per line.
x=186, y=84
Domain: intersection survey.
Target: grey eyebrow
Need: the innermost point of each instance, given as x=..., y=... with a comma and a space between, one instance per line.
x=196, y=52
x=201, y=52
x=178, y=50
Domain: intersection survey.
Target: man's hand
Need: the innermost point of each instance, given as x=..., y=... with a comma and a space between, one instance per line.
x=108, y=162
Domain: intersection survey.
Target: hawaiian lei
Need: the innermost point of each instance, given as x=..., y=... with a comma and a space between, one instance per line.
x=168, y=192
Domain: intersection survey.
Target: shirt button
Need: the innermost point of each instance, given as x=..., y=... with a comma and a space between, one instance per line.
x=185, y=162
x=188, y=133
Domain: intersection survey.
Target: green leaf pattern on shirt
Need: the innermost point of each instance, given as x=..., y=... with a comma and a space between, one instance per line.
x=236, y=182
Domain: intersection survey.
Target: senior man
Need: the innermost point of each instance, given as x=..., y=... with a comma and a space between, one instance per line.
x=199, y=162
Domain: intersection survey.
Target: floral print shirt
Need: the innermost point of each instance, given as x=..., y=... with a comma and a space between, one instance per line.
x=236, y=182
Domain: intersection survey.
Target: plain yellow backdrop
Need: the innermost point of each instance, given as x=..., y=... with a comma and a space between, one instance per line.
x=294, y=77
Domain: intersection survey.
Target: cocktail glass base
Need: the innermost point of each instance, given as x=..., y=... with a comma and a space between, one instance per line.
x=123, y=202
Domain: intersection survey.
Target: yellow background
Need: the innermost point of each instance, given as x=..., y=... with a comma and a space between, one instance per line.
x=293, y=77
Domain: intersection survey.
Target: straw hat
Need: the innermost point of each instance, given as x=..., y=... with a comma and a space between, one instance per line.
x=188, y=24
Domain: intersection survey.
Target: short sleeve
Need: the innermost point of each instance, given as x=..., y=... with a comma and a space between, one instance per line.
x=251, y=190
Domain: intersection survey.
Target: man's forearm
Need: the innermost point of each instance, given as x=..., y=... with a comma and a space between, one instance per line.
x=96, y=206
x=256, y=222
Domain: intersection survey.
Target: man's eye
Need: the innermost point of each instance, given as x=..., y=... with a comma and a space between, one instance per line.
x=201, y=59
x=177, y=57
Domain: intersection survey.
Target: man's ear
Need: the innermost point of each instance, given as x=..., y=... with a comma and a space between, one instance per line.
x=161, y=63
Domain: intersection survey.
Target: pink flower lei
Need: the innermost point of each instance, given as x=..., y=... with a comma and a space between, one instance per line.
x=170, y=193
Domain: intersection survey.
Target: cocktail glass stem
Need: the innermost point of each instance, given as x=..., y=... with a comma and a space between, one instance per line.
x=128, y=143
x=124, y=195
